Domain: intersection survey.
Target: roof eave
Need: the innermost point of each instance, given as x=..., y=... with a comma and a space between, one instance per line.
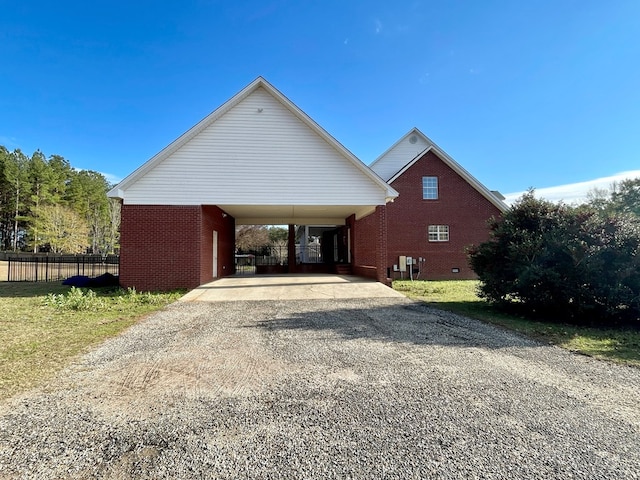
x=456, y=167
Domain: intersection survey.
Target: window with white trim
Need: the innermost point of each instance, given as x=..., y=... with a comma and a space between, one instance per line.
x=438, y=233
x=429, y=188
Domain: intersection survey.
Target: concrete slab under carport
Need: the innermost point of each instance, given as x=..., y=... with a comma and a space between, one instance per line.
x=288, y=287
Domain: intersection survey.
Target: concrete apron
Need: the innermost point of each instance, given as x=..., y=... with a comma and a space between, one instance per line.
x=288, y=287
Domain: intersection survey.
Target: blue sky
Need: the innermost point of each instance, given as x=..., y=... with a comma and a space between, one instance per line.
x=542, y=94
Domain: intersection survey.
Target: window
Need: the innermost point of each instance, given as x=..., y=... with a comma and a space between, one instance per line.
x=438, y=233
x=429, y=188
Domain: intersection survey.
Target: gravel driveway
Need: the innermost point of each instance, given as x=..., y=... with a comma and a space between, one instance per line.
x=360, y=388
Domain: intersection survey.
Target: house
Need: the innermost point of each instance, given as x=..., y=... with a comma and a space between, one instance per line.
x=260, y=160
x=257, y=159
x=441, y=209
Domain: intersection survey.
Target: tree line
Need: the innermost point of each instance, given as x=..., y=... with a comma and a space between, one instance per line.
x=46, y=205
x=251, y=238
x=566, y=263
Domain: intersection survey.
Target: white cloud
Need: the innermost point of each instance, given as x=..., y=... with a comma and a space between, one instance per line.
x=9, y=142
x=378, y=26
x=424, y=79
x=109, y=177
x=574, y=192
x=112, y=179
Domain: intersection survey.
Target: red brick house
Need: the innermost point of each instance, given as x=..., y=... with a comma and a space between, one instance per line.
x=440, y=210
x=260, y=160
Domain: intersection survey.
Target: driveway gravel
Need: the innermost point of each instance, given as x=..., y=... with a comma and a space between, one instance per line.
x=340, y=388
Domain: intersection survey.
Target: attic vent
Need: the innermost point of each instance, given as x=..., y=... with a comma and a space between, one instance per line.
x=413, y=139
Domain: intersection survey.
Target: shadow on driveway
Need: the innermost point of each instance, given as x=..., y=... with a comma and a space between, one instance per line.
x=398, y=321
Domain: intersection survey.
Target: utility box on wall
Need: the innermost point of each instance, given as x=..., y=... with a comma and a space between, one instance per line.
x=402, y=263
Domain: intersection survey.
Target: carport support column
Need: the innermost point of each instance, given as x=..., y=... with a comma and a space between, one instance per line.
x=381, y=245
x=292, y=248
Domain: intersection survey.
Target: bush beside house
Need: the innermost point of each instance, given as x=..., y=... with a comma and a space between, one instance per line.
x=567, y=263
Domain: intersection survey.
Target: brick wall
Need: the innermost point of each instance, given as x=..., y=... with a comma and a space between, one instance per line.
x=159, y=247
x=214, y=218
x=459, y=205
x=369, y=239
x=168, y=247
x=363, y=238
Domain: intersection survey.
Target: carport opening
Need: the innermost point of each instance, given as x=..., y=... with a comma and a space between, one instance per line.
x=270, y=249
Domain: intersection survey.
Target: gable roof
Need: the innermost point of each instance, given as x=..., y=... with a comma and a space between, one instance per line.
x=413, y=146
x=197, y=145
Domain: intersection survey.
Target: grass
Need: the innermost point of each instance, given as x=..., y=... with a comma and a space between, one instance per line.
x=459, y=296
x=44, y=325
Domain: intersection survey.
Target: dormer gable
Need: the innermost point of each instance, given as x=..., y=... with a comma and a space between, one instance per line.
x=413, y=146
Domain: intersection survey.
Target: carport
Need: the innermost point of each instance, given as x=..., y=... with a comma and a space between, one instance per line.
x=256, y=160
x=289, y=287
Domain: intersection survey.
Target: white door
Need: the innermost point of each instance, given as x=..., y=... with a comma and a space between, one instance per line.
x=215, y=254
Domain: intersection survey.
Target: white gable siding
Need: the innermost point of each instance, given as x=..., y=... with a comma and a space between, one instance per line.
x=258, y=152
x=392, y=161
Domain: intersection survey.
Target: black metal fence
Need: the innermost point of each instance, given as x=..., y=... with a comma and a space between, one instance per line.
x=275, y=255
x=278, y=255
x=54, y=268
x=249, y=263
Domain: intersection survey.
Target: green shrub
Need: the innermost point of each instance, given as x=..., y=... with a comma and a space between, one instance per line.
x=570, y=263
x=120, y=299
x=131, y=296
x=75, y=299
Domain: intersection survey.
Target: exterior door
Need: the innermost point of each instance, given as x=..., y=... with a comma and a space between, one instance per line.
x=215, y=254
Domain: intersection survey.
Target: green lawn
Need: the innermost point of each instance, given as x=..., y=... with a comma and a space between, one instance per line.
x=43, y=326
x=459, y=296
